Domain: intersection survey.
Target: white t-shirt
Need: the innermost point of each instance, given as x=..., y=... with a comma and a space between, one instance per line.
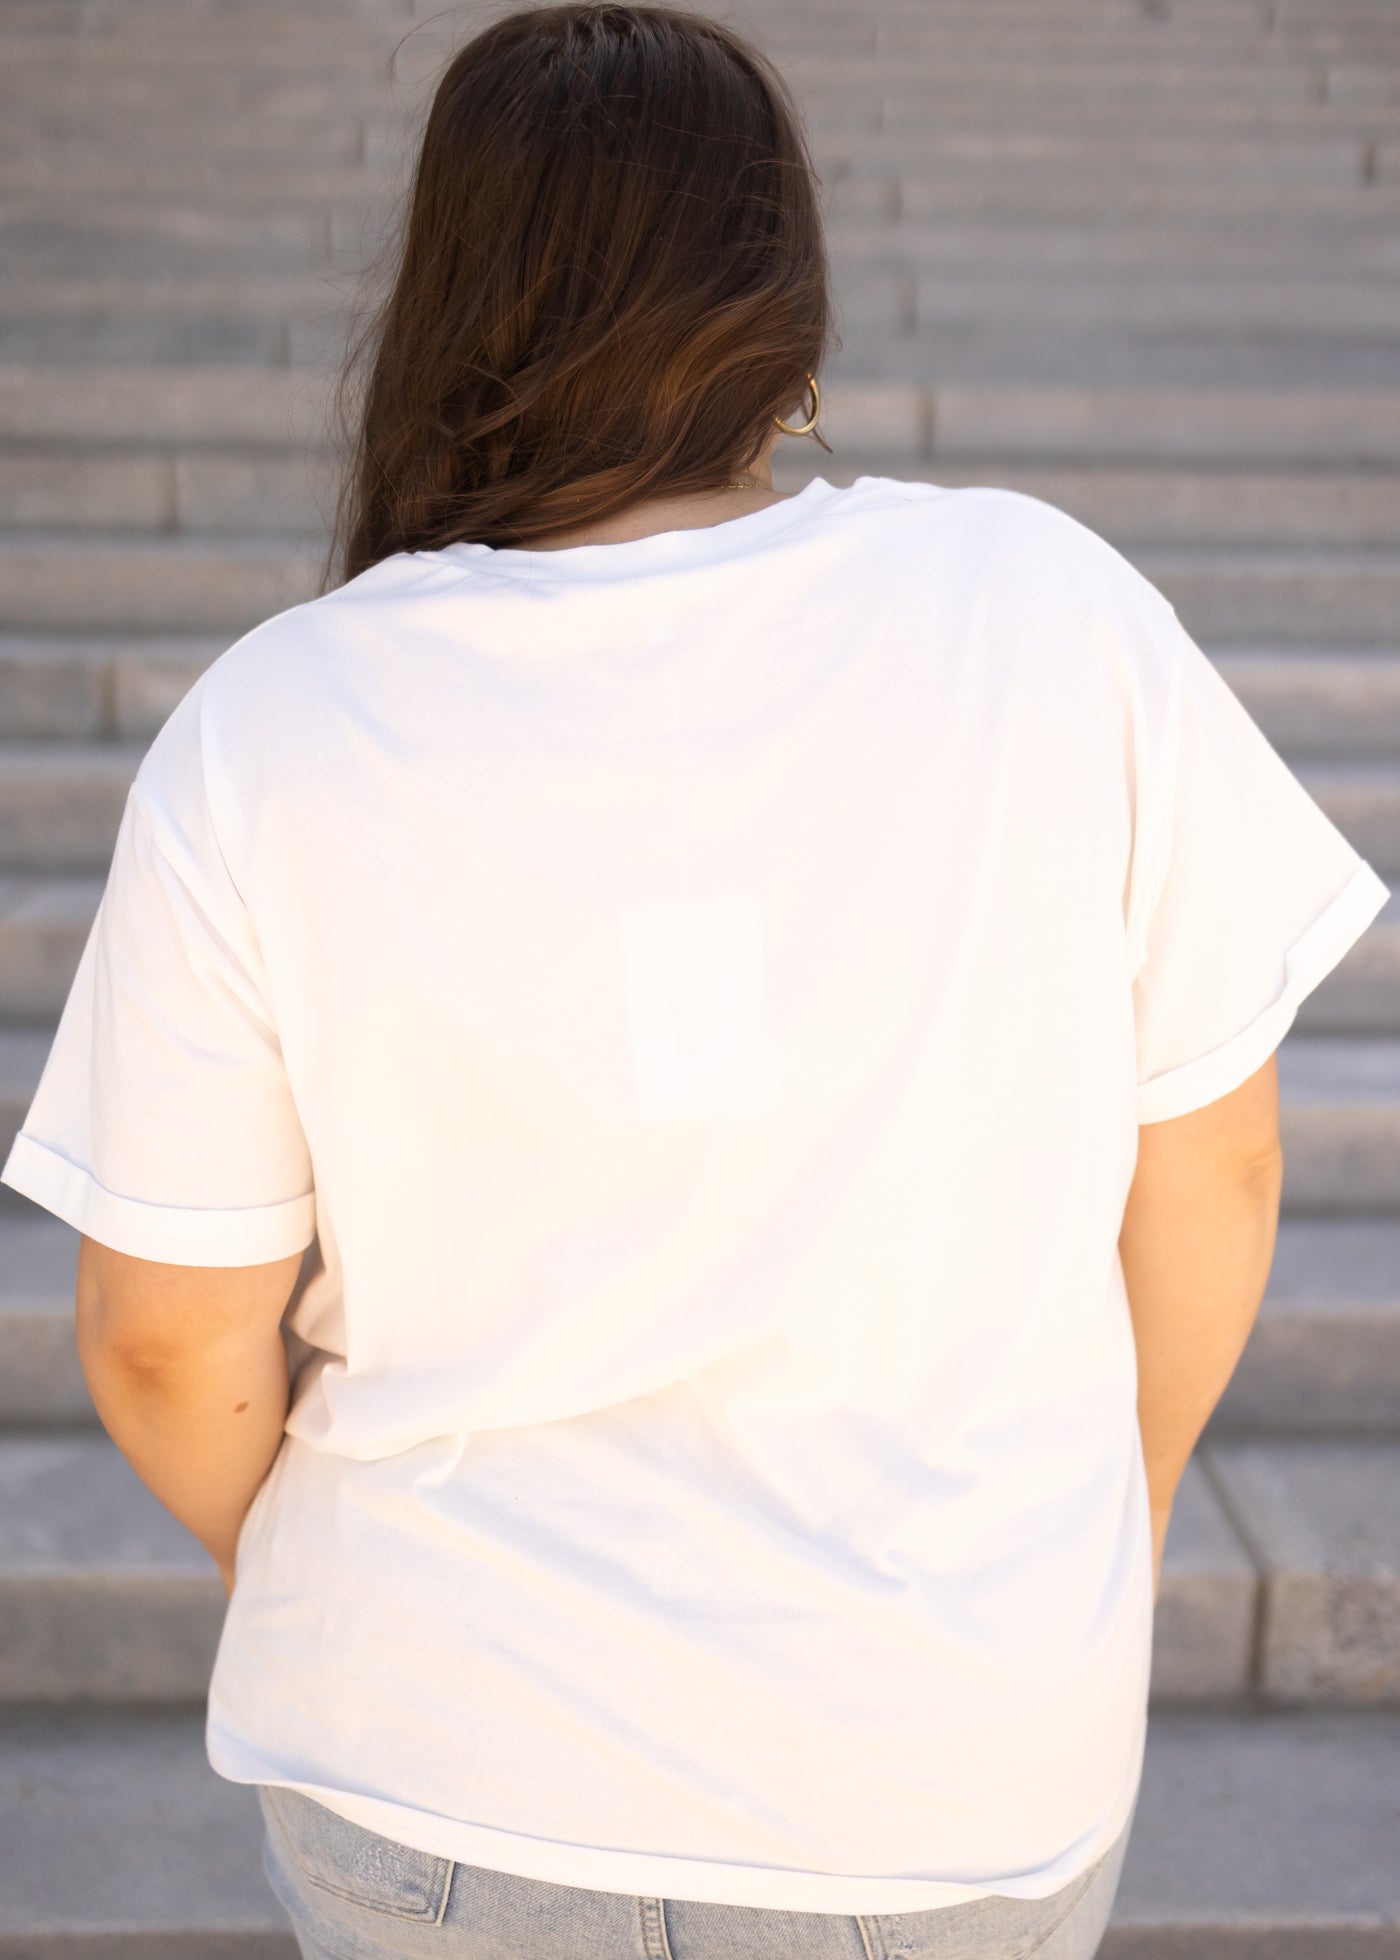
x=701, y=993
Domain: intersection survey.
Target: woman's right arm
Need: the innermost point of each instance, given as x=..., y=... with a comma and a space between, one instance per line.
x=1196, y=1244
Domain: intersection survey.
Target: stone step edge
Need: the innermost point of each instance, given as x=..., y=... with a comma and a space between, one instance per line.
x=259, y=405
x=121, y=1841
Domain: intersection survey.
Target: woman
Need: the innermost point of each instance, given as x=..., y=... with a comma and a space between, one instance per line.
x=763, y=1009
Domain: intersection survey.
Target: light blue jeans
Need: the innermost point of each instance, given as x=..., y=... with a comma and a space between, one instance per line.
x=353, y=1895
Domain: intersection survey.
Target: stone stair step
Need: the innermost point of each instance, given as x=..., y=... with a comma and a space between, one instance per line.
x=996, y=187
x=1203, y=1625
x=1323, y=1357
x=1363, y=800
x=1339, y=1118
x=1052, y=195
x=1097, y=246
x=1320, y=1523
x=239, y=405
x=45, y=919
x=106, y=1596
x=41, y=1379
x=1265, y=65
x=61, y=802
x=113, y=687
x=230, y=493
x=250, y=408
x=180, y=336
x=118, y=1842
x=49, y=580
x=56, y=582
x=996, y=351
x=1292, y=598
x=1163, y=99
x=49, y=236
x=43, y=925
x=1102, y=422
x=1311, y=702
x=207, y=491
x=1251, y=1837
x=1133, y=301
x=1361, y=995
x=1340, y=1124
x=1131, y=504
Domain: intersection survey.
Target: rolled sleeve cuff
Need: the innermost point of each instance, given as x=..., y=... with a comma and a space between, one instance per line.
x=1191, y=1085
x=181, y=1235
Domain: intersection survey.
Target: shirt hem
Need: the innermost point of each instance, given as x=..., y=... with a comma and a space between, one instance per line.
x=652, y=1874
x=1312, y=957
x=177, y=1234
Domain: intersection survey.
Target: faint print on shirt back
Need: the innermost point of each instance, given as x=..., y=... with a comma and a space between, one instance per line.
x=698, y=1008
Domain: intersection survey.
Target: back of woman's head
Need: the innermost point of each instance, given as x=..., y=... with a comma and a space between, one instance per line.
x=609, y=277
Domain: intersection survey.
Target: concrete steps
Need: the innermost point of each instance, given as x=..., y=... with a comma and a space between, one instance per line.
x=1091, y=423
x=61, y=802
x=106, y=1597
x=134, y=309
x=230, y=492
x=1323, y=1358
x=55, y=581
x=1061, y=187
x=64, y=237
x=1339, y=1117
x=1311, y=702
x=1253, y=1836
x=131, y=410
x=1135, y=257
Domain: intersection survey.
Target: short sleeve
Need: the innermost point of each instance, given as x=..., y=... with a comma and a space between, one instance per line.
x=1251, y=896
x=163, y=1124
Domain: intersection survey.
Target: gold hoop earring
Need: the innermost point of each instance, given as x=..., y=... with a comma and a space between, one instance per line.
x=807, y=427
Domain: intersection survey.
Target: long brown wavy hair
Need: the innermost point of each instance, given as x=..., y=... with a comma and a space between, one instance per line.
x=609, y=276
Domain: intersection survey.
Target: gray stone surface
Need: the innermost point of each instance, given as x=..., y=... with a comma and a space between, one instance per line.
x=118, y=1842
x=1263, y=1839
x=217, y=494
x=1334, y=427
x=87, y=493
x=1363, y=799
x=1312, y=702
x=1322, y=1521
x=1252, y=1838
x=1287, y=598
x=136, y=403
x=1361, y=995
x=51, y=687
x=1340, y=1124
x=1203, y=1625
x=61, y=803
x=1323, y=1356
x=43, y=925
x=1159, y=504
x=148, y=584
x=103, y=1593
x=1138, y=259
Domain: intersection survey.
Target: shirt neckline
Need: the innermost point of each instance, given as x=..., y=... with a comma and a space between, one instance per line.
x=660, y=550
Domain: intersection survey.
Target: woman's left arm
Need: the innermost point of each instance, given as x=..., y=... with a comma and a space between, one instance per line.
x=187, y=1369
